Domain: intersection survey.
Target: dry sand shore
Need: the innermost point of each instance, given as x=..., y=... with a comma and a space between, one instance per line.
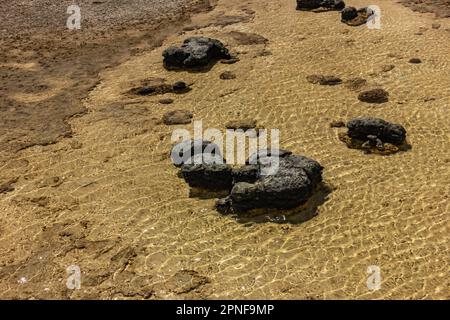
x=108, y=199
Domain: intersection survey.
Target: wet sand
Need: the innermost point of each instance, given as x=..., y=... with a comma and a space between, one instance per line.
x=441, y=8
x=47, y=69
x=108, y=199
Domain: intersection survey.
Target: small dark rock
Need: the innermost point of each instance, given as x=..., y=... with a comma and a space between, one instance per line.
x=244, y=124
x=230, y=61
x=415, y=60
x=387, y=67
x=374, y=96
x=324, y=80
x=155, y=86
x=166, y=101
x=355, y=84
x=177, y=117
x=180, y=87
x=8, y=186
x=337, y=124
x=227, y=75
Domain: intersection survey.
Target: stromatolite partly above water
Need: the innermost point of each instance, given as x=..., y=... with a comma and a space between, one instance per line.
x=270, y=179
x=195, y=53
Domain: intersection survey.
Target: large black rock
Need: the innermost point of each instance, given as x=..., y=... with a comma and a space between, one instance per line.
x=291, y=183
x=194, y=53
x=207, y=171
x=366, y=128
x=316, y=4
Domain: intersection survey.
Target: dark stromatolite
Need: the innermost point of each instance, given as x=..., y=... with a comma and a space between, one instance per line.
x=194, y=53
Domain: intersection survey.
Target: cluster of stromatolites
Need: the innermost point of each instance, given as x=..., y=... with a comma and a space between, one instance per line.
x=269, y=179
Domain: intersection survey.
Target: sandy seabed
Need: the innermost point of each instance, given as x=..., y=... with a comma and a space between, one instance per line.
x=108, y=199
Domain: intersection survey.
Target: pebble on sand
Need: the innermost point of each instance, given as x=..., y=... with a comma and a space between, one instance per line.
x=435, y=25
x=355, y=84
x=158, y=86
x=387, y=67
x=227, y=75
x=177, y=117
x=337, y=124
x=374, y=96
x=166, y=101
x=324, y=80
x=244, y=124
x=415, y=60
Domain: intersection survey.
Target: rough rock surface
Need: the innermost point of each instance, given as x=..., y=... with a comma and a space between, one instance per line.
x=361, y=128
x=185, y=150
x=207, y=171
x=156, y=86
x=355, y=17
x=194, y=53
x=289, y=186
x=374, y=135
x=305, y=5
x=374, y=96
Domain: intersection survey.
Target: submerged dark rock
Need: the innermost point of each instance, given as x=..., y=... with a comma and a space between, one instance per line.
x=180, y=87
x=177, y=117
x=158, y=86
x=270, y=179
x=361, y=128
x=307, y=5
x=415, y=60
x=374, y=96
x=374, y=135
x=184, y=151
x=194, y=53
x=166, y=101
x=227, y=75
x=324, y=80
x=289, y=185
x=355, y=17
x=207, y=171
